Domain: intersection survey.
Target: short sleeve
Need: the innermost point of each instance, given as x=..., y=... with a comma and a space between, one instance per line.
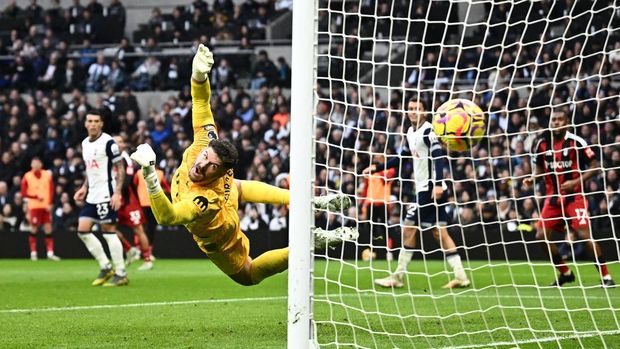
x=112, y=151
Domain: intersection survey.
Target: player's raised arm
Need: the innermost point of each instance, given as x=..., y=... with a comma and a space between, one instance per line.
x=165, y=212
x=202, y=117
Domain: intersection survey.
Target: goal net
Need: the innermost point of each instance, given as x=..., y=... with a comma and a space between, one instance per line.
x=519, y=61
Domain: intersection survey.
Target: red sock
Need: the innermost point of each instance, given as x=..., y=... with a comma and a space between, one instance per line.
x=136, y=240
x=602, y=268
x=560, y=264
x=126, y=245
x=32, y=241
x=563, y=268
x=49, y=243
x=146, y=254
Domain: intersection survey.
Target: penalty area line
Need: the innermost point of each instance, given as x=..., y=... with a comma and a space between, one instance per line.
x=539, y=340
x=140, y=305
x=319, y=297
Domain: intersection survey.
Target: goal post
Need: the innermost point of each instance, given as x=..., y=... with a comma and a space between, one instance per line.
x=299, y=332
x=356, y=63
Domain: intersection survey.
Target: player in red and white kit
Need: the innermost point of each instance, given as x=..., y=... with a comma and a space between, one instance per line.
x=130, y=215
x=566, y=162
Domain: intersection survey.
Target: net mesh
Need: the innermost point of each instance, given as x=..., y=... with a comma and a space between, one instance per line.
x=519, y=61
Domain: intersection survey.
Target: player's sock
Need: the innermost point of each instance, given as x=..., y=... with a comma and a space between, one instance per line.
x=136, y=240
x=560, y=264
x=116, y=252
x=32, y=241
x=454, y=259
x=601, y=265
x=93, y=245
x=254, y=191
x=269, y=263
x=404, y=257
x=126, y=245
x=146, y=254
x=49, y=244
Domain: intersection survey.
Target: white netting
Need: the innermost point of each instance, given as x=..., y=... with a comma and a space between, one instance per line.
x=518, y=60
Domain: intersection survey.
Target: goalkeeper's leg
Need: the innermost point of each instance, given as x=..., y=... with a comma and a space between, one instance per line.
x=254, y=191
x=267, y=264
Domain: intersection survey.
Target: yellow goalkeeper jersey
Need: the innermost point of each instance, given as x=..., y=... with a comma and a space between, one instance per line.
x=209, y=212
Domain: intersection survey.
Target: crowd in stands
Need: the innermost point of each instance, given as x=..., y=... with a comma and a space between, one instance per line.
x=505, y=67
x=43, y=123
x=54, y=48
x=353, y=121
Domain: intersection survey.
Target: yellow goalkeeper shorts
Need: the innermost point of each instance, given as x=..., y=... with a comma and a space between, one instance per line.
x=232, y=257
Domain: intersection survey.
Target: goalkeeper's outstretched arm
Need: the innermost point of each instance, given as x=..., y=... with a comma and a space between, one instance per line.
x=202, y=117
x=165, y=212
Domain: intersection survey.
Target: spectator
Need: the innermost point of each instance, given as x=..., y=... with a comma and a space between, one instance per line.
x=12, y=10
x=284, y=73
x=156, y=18
x=53, y=76
x=264, y=71
x=95, y=8
x=222, y=76
x=116, y=11
x=145, y=76
x=74, y=76
x=282, y=116
x=98, y=73
x=116, y=78
x=172, y=76
x=75, y=12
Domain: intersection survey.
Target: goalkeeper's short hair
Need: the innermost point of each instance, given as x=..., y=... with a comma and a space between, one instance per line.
x=226, y=151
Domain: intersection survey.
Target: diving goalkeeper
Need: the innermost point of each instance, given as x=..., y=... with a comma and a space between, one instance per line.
x=205, y=196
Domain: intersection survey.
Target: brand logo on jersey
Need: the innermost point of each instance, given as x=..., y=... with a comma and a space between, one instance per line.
x=559, y=165
x=92, y=164
x=211, y=132
x=201, y=202
x=227, y=184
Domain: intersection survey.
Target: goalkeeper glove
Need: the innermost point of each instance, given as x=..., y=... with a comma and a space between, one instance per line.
x=145, y=157
x=202, y=63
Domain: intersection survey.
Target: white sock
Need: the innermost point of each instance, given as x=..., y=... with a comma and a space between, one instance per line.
x=404, y=258
x=454, y=259
x=116, y=252
x=93, y=245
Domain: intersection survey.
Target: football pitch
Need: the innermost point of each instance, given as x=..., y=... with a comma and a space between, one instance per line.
x=191, y=304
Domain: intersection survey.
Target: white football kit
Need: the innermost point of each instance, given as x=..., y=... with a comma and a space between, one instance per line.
x=99, y=157
x=427, y=211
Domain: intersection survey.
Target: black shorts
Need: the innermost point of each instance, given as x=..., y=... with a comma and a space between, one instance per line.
x=425, y=213
x=101, y=213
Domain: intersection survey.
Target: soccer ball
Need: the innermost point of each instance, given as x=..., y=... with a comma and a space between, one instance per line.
x=459, y=124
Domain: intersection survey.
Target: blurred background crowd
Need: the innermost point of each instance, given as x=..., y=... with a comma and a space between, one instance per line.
x=50, y=58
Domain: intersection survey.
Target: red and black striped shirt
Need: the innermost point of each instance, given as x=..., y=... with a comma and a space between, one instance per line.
x=563, y=161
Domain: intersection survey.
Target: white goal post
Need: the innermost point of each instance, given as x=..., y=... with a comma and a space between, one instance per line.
x=355, y=65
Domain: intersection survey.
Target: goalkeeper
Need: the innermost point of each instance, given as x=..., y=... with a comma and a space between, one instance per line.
x=205, y=196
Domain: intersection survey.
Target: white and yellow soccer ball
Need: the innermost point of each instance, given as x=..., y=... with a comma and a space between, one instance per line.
x=459, y=125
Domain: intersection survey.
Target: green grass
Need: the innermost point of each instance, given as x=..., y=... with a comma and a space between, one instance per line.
x=191, y=304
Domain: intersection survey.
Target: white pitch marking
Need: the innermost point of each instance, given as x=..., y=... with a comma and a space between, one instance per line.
x=275, y=298
x=539, y=340
x=139, y=305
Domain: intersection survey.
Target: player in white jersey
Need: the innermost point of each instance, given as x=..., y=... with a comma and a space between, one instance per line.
x=428, y=212
x=103, y=199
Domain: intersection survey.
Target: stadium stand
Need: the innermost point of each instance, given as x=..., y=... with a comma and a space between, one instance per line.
x=48, y=60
